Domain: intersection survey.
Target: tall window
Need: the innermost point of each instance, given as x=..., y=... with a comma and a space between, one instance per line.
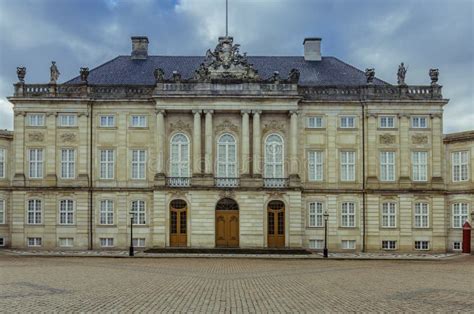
x=179, y=156
x=36, y=163
x=2, y=212
x=347, y=166
x=460, y=214
x=421, y=215
x=315, y=166
x=67, y=120
x=389, y=215
x=460, y=166
x=348, y=214
x=138, y=212
x=2, y=162
x=315, y=214
x=226, y=157
x=36, y=119
x=34, y=212
x=66, y=212
x=274, y=156
x=387, y=166
x=106, y=216
x=138, y=164
x=419, y=166
x=107, y=164
x=67, y=163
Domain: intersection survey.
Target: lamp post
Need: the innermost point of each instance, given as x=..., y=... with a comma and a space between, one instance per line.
x=131, y=251
x=325, y=251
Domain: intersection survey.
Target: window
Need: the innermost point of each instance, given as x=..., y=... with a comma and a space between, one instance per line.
x=348, y=244
x=419, y=166
x=67, y=120
x=138, y=164
x=457, y=245
x=34, y=241
x=36, y=163
x=315, y=214
x=66, y=242
x=421, y=215
x=389, y=215
x=138, y=212
x=107, y=121
x=422, y=245
x=66, y=212
x=139, y=121
x=226, y=157
x=2, y=241
x=387, y=122
x=138, y=242
x=347, y=122
x=419, y=122
x=348, y=214
x=67, y=163
x=2, y=162
x=36, y=119
x=2, y=212
x=274, y=156
x=387, y=166
x=106, y=242
x=315, y=122
x=316, y=244
x=460, y=166
x=315, y=166
x=107, y=164
x=106, y=212
x=179, y=156
x=460, y=214
x=34, y=212
x=347, y=166
x=389, y=245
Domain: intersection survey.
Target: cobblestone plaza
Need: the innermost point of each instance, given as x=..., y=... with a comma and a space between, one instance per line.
x=36, y=284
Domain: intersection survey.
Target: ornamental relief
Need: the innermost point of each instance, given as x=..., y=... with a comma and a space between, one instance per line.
x=419, y=139
x=226, y=125
x=387, y=139
x=180, y=126
x=227, y=194
x=36, y=137
x=68, y=137
x=177, y=194
x=274, y=126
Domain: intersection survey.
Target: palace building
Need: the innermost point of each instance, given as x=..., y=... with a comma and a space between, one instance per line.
x=230, y=150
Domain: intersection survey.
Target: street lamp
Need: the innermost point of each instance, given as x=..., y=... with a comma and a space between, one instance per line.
x=326, y=217
x=131, y=251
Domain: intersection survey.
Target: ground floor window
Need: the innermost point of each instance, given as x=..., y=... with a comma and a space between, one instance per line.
x=316, y=244
x=139, y=242
x=457, y=245
x=34, y=242
x=422, y=245
x=66, y=242
x=106, y=242
x=2, y=241
x=389, y=245
x=348, y=244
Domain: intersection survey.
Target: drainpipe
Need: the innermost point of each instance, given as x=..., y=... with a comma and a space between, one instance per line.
x=91, y=211
x=363, y=178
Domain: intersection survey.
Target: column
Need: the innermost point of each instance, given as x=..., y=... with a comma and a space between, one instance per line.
x=404, y=147
x=160, y=142
x=245, y=142
x=293, y=142
x=197, y=142
x=256, y=143
x=208, y=130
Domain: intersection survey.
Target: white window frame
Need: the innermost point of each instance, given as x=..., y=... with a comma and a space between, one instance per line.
x=2, y=212
x=316, y=244
x=460, y=166
x=34, y=212
x=106, y=242
x=315, y=165
x=34, y=241
x=387, y=166
x=389, y=245
x=348, y=244
x=274, y=150
x=66, y=212
x=315, y=122
x=107, y=164
x=68, y=163
x=68, y=242
x=179, y=164
x=35, y=162
x=36, y=119
x=419, y=164
x=460, y=214
x=106, y=212
x=416, y=122
x=389, y=215
x=138, y=121
x=139, y=160
x=138, y=211
x=138, y=242
x=348, y=165
x=3, y=159
x=67, y=120
x=348, y=215
x=347, y=122
x=387, y=122
x=226, y=166
x=421, y=215
x=422, y=245
x=106, y=120
x=315, y=214
x=457, y=248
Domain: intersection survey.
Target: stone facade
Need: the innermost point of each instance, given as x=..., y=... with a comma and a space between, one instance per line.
x=228, y=97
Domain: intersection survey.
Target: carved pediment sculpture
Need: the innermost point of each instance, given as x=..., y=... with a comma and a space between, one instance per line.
x=387, y=139
x=273, y=126
x=180, y=126
x=68, y=137
x=36, y=137
x=419, y=139
x=227, y=125
x=227, y=194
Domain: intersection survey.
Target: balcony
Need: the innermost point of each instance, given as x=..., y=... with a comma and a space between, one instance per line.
x=226, y=182
x=275, y=183
x=178, y=181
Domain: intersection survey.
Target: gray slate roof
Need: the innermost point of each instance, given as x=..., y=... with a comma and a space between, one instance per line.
x=329, y=71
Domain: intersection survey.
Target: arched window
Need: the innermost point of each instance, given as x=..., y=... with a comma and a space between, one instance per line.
x=274, y=156
x=226, y=157
x=179, y=157
x=227, y=204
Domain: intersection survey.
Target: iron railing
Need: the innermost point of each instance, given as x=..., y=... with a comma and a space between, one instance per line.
x=275, y=183
x=178, y=181
x=227, y=182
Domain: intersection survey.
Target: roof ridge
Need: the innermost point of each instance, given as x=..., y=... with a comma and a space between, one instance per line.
x=97, y=67
x=359, y=70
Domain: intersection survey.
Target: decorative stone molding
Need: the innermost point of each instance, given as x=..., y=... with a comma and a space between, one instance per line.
x=277, y=195
x=83, y=114
x=51, y=113
x=226, y=125
x=194, y=111
x=36, y=137
x=387, y=139
x=162, y=111
x=436, y=115
x=208, y=111
x=419, y=139
x=273, y=126
x=291, y=112
x=227, y=194
x=20, y=113
x=257, y=111
x=174, y=194
x=68, y=137
x=247, y=111
x=180, y=126
x=372, y=115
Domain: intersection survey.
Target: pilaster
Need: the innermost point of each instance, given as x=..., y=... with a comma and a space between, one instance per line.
x=208, y=168
x=257, y=172
x=245, y=143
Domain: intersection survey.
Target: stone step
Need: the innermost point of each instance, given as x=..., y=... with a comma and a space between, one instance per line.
x=260, y=251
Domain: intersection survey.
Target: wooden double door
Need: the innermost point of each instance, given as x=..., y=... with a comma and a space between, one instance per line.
x=276, y=224
x=227, y=223
x=178, y=223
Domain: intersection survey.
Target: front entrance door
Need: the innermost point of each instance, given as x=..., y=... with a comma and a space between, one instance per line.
x=178, y=223
x=276, y=224
x=227, y=223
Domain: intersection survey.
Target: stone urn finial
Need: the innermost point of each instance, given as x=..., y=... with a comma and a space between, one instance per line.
x=54, y=73
x=370, y=75
x=84, y=73
x=176, y=76
x=434, y=74
x=21, y=73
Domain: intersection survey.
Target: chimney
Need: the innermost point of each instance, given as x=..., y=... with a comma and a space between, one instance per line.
x=139, y=47
x=312, y=49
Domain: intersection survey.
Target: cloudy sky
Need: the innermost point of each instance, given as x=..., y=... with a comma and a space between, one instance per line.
x=364, y=33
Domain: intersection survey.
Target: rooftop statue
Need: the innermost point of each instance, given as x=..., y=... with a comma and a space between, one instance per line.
x=21, y=73
x=54, y=73
x=84, y=73
x=294, y=76
x=370, y=75
x=159, y=75
x=402, y=71
x=434, y=73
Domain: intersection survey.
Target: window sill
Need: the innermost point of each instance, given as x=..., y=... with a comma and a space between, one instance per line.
x=106, y=226
x=68, y=127
x=347, y=129
x=315, y=228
